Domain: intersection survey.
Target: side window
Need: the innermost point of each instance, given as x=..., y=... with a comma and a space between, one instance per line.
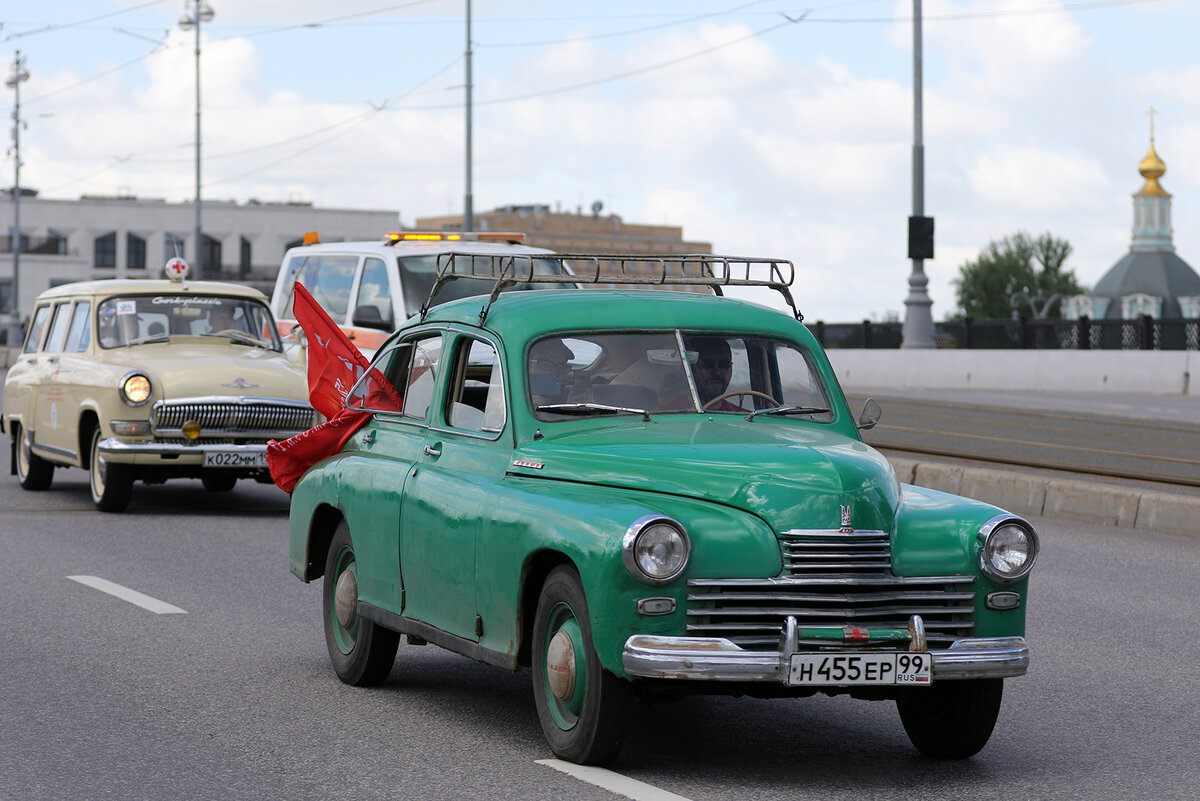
x=58, y=328
x=382, y=388
x=79, y=334
x=328, y=279
x=422, y=374
x=37, y=329
x=476, y=401
x=374, y=297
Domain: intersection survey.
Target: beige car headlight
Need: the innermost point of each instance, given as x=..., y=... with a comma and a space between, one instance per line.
x=136, y=389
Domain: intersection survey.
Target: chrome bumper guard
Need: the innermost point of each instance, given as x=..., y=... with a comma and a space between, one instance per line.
x=114, y=450
x=719, y=659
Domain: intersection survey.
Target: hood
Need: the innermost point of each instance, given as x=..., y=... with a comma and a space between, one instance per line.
x=200, y=370
x=792, y=476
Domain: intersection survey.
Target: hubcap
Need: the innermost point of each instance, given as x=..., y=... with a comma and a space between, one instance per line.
x=560, y=666
x=345, y=598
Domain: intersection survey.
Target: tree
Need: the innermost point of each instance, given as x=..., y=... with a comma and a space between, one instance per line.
x=985, y=287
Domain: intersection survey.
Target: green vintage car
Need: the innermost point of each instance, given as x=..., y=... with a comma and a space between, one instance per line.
x=640, y=494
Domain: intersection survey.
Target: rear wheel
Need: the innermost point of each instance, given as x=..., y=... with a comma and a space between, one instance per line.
x=362, y=652
x=218, y=482
x=33, y=472
x=111, y=484
x=952, y=719
x=584, y=710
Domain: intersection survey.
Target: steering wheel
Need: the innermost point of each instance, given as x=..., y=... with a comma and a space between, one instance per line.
x=740, y=393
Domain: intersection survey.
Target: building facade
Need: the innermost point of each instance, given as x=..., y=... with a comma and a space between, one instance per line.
x=567, y=232
x=63, y=241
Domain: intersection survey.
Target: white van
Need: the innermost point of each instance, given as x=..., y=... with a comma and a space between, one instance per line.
x=370, y=288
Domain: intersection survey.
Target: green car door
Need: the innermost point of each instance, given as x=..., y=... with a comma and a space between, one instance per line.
x=465, y=454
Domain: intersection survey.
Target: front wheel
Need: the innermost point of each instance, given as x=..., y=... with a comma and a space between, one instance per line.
x=951, y=719
x=33, y=472
x=362, y=652
x=111, y=484
x=584, y=710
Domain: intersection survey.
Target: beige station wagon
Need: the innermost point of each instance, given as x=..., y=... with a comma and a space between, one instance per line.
x=150, y=380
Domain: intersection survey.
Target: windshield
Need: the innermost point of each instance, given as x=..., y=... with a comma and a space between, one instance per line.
x=418, y=273
x=607, y=373
x=136, y=319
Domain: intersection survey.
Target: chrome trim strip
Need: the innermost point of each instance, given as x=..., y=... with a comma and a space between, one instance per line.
x=42, y=449
x=719, y=659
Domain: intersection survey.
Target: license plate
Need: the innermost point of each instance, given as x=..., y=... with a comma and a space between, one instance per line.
x=908, y=668
x=235, y=459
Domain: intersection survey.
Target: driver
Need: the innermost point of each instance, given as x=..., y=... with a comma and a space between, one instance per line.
x=221, y=318
x=712, y=370
x=547, y=370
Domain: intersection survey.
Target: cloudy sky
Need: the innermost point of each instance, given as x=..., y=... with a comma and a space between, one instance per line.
x=769, y=128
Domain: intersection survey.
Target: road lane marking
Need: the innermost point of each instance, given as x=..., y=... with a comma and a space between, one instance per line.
x=613, y=782
x=132, y=596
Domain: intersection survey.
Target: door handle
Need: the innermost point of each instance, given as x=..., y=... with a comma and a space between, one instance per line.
x=432, y=451
x=368, y=438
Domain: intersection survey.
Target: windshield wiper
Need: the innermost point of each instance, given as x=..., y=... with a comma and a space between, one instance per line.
x=241, y=338
x=592, y=408
x=147, y=340
x=788, y=410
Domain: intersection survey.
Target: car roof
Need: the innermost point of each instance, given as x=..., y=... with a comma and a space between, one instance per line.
x=380, y=247
x=146, y=286
x=525, y=315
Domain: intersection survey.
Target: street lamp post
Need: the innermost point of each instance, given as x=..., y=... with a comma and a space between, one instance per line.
x=196, y=12
x=918, y=316
x=15, y=79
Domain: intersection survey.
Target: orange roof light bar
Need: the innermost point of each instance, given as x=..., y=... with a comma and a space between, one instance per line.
x=430, y=236
x=312, y=238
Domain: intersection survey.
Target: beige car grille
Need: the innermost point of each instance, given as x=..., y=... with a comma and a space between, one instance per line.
x=249, y=417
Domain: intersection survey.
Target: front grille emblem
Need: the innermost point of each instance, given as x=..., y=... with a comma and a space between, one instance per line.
x=846, y=520
x=240, y=383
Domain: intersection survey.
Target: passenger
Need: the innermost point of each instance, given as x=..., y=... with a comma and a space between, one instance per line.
x=548, y=370
x=223, y=318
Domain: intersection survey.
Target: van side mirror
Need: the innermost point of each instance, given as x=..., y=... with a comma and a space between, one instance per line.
x=368, y=316
x=870, y=415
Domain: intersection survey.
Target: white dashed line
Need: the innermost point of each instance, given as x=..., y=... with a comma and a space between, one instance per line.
x=132, y=596
x=613, y=782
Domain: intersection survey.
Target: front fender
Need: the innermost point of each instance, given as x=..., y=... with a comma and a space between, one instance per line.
x=936, y=535
x=533, y=520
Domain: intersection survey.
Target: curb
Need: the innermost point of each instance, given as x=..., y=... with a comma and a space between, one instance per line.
x=1041, y=496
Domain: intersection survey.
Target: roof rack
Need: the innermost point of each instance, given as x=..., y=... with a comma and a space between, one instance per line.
x=693, y=269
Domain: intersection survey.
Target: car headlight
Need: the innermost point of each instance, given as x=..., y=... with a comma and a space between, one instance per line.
x=655, y=549
x=1007, y=548
x=135, y=389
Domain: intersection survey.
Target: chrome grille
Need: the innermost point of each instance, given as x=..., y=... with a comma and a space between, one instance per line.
x=819, y=551
x=246, y=416
x=831, y=578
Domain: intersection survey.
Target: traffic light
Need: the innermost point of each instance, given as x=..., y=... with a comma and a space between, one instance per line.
x=920, y=237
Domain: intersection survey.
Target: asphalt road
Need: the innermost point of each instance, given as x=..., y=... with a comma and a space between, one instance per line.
x=1147, y=437
x=234, y=698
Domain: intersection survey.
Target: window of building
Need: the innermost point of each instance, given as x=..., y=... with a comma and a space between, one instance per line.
x=135, y=252
x=244, y=257
x=105, y=251
x=211, y=257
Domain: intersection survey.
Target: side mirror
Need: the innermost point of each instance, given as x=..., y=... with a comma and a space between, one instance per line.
x=368, y=316
x=870, y=415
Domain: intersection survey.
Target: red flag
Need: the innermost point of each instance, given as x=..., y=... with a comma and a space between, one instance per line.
x=334, y=365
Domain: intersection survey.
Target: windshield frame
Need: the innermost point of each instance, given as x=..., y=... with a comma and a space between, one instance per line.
x=612, y=384
x=137, y=330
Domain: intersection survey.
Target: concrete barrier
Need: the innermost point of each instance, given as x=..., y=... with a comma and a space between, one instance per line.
x=1154, y=372
x=1036, y=495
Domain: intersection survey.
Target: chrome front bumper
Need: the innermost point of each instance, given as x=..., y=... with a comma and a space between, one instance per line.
x=719, y=659
x=167, y=453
